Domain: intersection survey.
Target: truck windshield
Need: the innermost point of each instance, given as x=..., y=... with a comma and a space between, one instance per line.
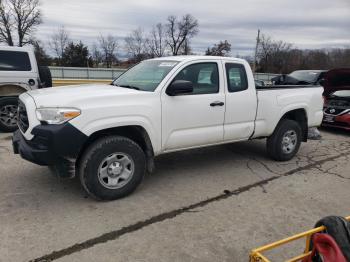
x=145, y=76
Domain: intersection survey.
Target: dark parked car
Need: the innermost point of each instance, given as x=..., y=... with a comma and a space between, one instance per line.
x=300, y=77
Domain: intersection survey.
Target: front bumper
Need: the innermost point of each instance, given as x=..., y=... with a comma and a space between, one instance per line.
x=337, y=120
x=29, y=152
x=50, y=144
x=342, y=122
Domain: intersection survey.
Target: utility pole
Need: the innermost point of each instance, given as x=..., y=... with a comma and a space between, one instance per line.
x=256, y=50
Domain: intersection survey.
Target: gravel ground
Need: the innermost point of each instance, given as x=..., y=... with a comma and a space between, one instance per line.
x=211, y=204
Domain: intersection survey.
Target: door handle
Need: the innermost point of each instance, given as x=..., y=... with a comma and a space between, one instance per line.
x=217, y=103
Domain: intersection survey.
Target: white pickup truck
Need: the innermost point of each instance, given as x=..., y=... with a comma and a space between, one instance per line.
x=109, y=134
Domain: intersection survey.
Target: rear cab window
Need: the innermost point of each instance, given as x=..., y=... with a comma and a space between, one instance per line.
x=14, y=61
x=236, y=77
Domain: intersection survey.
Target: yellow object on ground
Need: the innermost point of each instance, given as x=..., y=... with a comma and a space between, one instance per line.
x=257, y=256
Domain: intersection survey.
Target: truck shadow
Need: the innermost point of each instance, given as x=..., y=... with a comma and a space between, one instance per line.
x=173, y=169
x=191, y=167
x=206, y=162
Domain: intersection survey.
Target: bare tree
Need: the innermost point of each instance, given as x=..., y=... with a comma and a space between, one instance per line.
x=223, y=48
x=97, y=55
x=273, y=54
x=136, y=45
x=6, y=23
x=21, y=16
x=179, y=31
x=156, y=41
x=42, y=57
x=185, y=48
x=58, y=42
x=276, y=56
x=339, y=57
x=27, y=16
x=108, y=45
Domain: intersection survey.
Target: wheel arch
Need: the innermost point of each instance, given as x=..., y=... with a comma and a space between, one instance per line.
x=136, y=133
x=300, y=116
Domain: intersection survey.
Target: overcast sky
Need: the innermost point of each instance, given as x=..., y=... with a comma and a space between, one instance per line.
x=305, y=23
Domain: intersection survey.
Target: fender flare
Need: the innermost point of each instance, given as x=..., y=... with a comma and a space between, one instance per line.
x=119, y=122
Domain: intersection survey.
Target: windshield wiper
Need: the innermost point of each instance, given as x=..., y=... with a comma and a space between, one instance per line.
x=131, y=87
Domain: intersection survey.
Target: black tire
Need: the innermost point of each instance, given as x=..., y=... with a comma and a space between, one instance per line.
x=274, y=143
x=45, y=77
x=95, y=155
x=339, y=229
x=8, y=124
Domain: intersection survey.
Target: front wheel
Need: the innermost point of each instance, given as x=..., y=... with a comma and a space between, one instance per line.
x=285, y=141
x=8, y=114
x=112, y=167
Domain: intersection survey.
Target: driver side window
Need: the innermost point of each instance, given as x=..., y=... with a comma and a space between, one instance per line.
x=204, y=77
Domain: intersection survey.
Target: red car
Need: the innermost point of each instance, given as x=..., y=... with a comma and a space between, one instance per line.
x=337, y=98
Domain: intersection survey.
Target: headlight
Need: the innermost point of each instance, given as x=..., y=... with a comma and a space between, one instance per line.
x=56, y=115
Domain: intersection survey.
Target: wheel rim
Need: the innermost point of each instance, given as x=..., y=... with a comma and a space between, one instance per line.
x=116, y=170
x=8, y=115
x=289, y=141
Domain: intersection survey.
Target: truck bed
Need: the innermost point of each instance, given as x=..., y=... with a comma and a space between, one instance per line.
x=275, y=101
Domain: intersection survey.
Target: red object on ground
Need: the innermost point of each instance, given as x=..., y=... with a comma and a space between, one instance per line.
x=327, y=248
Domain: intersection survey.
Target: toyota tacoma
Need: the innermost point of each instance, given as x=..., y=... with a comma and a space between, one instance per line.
x=109, y=135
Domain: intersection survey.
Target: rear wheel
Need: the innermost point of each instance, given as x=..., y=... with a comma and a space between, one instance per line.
x=8, y=114
x=285, y=141
x=112, y=167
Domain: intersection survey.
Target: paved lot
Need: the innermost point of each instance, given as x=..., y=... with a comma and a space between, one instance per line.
x=212, y=204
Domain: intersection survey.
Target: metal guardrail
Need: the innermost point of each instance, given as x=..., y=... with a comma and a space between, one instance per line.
x=85, y=72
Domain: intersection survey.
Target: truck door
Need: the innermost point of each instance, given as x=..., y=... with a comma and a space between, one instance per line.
x=241, y=101
x=195, y=119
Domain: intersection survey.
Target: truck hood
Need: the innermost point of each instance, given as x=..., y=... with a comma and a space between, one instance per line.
x=336, y=80
x=73, y=96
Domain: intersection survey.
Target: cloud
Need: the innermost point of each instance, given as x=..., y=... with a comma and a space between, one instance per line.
x=306, y=24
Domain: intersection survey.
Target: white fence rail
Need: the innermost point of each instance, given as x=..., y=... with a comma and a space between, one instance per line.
x=111, y=73
x=85, y=72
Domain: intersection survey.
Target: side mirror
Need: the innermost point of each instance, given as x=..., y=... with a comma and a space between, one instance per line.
x=179, y=87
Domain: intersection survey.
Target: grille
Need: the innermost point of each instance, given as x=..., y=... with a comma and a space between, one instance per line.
x=22, y=117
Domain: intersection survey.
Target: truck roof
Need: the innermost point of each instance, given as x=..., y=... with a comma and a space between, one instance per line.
x=183, y=58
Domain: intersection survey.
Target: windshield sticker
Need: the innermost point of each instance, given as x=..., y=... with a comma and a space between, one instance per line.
x=167, y=64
